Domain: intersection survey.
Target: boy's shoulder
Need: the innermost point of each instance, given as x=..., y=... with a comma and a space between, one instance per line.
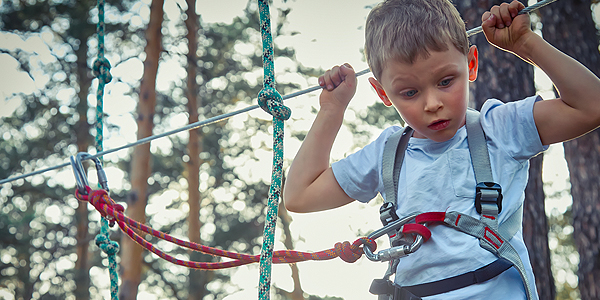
x=511, y=107
x=511, y=127
x=385, y=135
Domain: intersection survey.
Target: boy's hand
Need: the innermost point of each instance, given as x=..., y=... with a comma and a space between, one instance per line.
x=339, y=86
x=504, y=28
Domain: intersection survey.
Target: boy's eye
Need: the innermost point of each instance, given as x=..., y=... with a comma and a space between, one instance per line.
x=410, y=93
x=445, y=82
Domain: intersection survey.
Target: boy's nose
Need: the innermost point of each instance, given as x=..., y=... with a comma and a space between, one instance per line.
x=432, y=103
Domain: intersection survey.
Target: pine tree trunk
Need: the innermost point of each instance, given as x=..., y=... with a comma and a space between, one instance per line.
x=82, y=265
x=569, y=26
x=131, y=253
x=198, y=278
x=506, y=77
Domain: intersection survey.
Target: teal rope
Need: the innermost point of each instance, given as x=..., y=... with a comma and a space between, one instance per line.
x=101, y=69
x=110, y=248
x=271, y=101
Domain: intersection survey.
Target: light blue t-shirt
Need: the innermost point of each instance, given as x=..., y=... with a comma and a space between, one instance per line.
x=439, y=177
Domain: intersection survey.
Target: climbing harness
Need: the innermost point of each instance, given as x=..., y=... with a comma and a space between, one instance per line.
x=488, y=202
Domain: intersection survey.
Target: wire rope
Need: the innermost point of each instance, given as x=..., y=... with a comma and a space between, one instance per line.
x=226, y=116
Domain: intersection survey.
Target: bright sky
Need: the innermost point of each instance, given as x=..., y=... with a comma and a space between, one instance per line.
x=330, y=33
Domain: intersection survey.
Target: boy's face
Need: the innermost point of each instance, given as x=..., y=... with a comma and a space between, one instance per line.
x=431, y=94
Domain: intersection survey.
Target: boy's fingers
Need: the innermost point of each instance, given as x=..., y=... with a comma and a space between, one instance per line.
x=485, y=17
x=514, y=8
x=495, y=10
x=327, y=84
x=518, y=6
x=505, y=14
x=336, y=77
x=348, y=74
x=488, y=23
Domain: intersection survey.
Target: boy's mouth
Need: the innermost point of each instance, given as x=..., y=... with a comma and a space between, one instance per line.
x=439, y=124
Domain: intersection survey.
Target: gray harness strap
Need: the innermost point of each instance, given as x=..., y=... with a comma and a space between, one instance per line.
x=478, y=148
x=488, y=194
x=488, y=198
x=483, y=174
x=493, y=241
x=393, y=156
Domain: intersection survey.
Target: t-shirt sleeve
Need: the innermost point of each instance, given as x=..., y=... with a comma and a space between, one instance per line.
x=359, y=174
x=512, y=127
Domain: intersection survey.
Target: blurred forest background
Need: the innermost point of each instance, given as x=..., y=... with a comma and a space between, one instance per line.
x=210, y=185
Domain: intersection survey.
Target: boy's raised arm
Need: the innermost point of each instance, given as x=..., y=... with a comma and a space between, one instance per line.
x=577, y=111
x=310, y=185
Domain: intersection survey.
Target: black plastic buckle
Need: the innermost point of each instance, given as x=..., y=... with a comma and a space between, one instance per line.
x=387, y=213
x=488, y=192
x=381, y=287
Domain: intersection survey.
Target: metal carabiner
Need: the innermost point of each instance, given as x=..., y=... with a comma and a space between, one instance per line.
x=395, y=225
x=394, y=252
x=80, y=175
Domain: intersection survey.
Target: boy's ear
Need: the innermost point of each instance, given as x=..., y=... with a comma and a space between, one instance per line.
x=380, y=92
x=473, y=58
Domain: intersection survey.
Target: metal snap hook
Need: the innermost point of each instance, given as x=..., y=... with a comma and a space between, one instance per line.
x=393, y=226
x=394, y=252
x=80, y=174
x=398, y=251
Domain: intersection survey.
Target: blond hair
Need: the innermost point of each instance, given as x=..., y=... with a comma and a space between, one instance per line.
x=407, y=29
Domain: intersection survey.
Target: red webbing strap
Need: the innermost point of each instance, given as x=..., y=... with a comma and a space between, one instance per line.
x=418, y=229
x=430, y=217
x=114, y=212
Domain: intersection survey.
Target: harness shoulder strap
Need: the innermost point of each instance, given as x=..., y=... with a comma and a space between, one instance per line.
x=393, y=156
x=483, y=176
x=478, y=148
x=488, y=194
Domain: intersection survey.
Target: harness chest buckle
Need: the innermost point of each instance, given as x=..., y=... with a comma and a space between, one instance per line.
x=488, y=193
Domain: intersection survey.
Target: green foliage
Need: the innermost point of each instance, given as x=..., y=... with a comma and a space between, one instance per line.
x=233, y=206
x=38, y=244
x=37, y=219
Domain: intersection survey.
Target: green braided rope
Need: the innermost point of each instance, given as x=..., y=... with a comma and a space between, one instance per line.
x=101, y=69
x=110, y=248
x=271, y=101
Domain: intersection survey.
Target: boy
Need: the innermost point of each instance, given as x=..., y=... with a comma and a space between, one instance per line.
x=419, y=54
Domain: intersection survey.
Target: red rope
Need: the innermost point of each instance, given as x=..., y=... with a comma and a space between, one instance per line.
x=109, y=209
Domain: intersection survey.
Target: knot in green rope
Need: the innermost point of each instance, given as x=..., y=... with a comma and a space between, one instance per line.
x=106, y=245
x=101, y=69
x=271, y=101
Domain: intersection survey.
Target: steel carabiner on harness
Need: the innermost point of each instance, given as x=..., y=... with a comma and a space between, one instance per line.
x=394, y=252
x=80, y=175
x=397, y=251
